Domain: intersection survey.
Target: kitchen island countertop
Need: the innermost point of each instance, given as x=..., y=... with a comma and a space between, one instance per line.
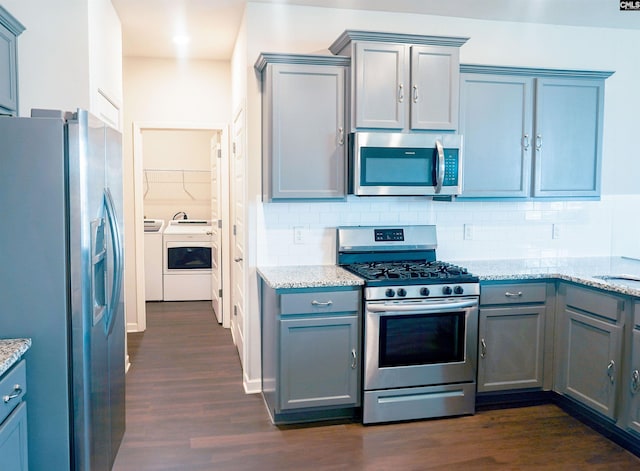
x=308, y=276
x=583, y=270
x=11, y=350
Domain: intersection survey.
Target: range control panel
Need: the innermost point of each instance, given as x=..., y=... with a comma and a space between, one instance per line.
x=389, y=235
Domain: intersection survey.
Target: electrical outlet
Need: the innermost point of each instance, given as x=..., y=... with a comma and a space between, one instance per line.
x=468, y=232
x=298, y=235
x=555, y=231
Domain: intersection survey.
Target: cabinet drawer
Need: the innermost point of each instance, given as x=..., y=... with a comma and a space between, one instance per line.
x=594, y=302
x=513, y=293
x=12, y=387
x=320, y=302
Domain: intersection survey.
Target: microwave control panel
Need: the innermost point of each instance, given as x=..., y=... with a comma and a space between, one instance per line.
x=451, y=167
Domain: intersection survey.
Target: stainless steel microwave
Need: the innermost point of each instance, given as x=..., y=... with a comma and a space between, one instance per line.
x=394, y=164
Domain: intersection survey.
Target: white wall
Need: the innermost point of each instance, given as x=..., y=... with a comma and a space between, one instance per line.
x=501, y=229
x=177, y=173
x=173, y=92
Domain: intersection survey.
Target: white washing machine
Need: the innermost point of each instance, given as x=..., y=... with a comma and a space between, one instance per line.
x=187, y=260
x=153, y=250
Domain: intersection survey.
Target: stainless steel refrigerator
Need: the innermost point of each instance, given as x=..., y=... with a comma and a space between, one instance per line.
x=61, y=272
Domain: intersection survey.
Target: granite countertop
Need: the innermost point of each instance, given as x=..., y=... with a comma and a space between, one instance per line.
x=583, y=270
x=308, y=276
x=10, y=352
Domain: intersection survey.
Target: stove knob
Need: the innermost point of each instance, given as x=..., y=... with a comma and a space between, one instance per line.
x=458, y=290
x=402, y=292
x=424, y=291
x=389, y=293
x=446, y=290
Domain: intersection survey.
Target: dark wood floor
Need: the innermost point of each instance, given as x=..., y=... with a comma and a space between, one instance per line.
x=187, y=410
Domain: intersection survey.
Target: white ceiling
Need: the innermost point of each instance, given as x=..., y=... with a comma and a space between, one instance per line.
x=148, y=26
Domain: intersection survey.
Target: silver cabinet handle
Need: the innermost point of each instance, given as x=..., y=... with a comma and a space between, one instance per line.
x=239, y=259
x=538, y=141
x=354, y=359
x=509, y=294
x=525, y=142
x=400, y=93
x=611, y=371
x=483, y=348
x=415, y=94
x=320, y=303
x=635, y=381
x=17, y=390
x=340, y=136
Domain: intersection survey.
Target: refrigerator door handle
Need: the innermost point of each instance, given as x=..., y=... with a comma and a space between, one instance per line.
x=116, y=287
x=98, y=269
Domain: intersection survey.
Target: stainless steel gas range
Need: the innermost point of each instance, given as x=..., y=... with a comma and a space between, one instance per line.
x=420, y=324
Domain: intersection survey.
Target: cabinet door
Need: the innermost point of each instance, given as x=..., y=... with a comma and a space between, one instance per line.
x=435, y=78
x=511, y=349
x=8, y=72
x=495, y=120
x=319, y=362
x=634, y=384
x=568, y=137
x=591, y=361
x=307, y=148
x=381, y=93
x=13, y=440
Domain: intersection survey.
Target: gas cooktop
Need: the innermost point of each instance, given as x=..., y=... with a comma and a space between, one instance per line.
x=411, y=272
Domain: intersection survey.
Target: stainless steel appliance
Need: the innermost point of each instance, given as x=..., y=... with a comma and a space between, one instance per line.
x=389, y=164
x=187, y=260
x=420, y=324
x=61, y=278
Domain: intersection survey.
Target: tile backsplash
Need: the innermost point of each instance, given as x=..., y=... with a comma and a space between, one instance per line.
x=304, y=233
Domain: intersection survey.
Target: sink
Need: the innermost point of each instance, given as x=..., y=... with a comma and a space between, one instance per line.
x=630, y=281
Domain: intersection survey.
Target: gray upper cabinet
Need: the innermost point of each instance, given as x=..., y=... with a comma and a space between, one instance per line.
x=303, y=119
x=402, y=82
x=531, y=132
x=10, y=28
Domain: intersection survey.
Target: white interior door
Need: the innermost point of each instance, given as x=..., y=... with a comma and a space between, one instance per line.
x=238, y=206
x=216, y=227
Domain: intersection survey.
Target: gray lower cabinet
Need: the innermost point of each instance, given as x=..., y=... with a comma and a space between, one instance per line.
x=303, y=126
x=310, y=352
x=631, y=393
x=513, y=320
x=531, y=133
x=10, y=29
x=589, y=344
x=13, y=419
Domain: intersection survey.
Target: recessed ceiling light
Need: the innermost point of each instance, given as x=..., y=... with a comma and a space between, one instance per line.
x=181, y=39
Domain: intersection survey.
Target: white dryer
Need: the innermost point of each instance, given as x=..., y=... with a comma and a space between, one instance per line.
x=187, y=260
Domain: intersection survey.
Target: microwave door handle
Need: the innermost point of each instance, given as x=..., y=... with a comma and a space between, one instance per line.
x=440, y=170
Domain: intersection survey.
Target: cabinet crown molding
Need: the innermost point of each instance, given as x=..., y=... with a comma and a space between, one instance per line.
x=266, y=58
x=357, y=35
x=10, y=22
x=533, y=71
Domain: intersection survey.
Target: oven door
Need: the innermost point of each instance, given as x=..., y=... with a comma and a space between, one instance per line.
x=420, y=342
x=192, y=257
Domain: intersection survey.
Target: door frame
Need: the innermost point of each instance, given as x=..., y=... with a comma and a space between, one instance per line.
x=140, y=324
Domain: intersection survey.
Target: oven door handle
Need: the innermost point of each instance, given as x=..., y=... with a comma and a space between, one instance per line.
x=421, y=307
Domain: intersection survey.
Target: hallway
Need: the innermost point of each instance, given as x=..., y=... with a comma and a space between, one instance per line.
x=187, y=411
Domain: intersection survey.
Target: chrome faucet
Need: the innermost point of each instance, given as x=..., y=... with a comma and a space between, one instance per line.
x=184, y=215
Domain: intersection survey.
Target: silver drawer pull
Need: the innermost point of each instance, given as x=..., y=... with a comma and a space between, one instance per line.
x=483, y=348
x=17, y=390
x=508, y=294
x=319, y=303
x=354, y=359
